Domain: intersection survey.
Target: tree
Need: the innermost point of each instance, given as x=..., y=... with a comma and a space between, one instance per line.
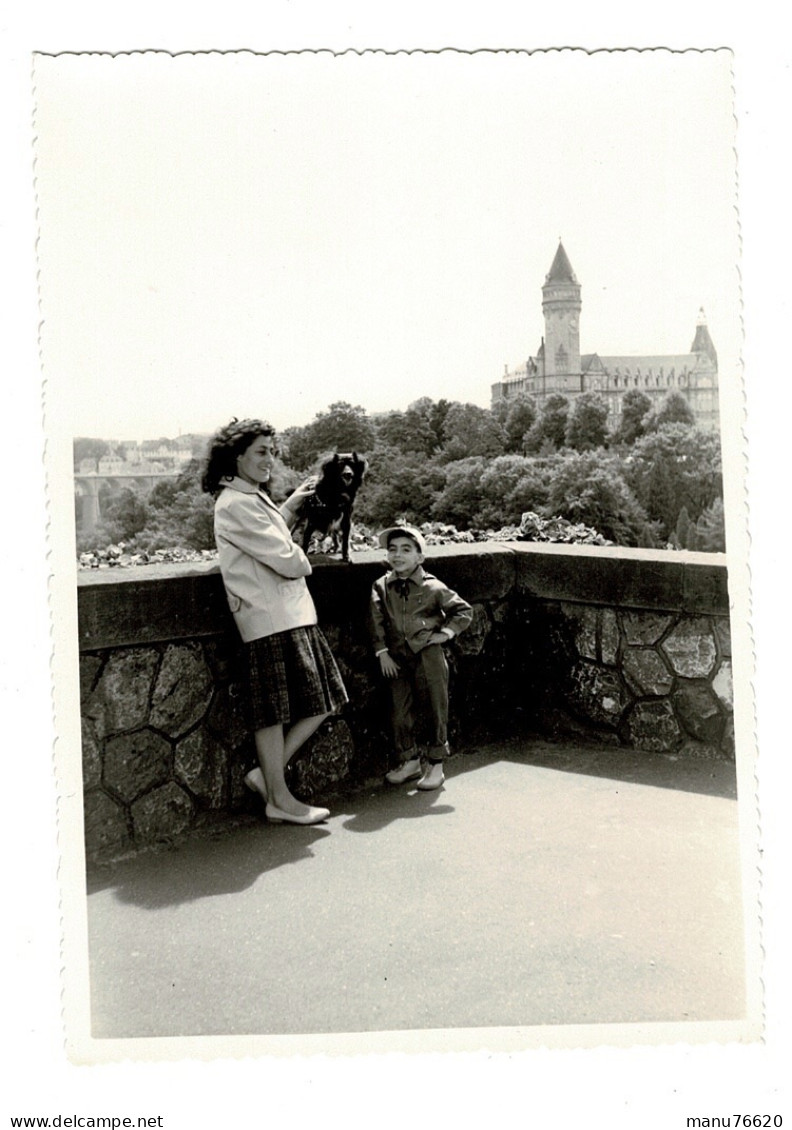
x=659, y=492
x=343, y=427
x=180, y=517
x=437, y=418
x=470, y=430
x=674, y=467
x=685, y=535
x=199, y=523
x=672, y=409
x=635, y=406
x=84, y=448
x=587, y=423
x=549, y=430
x=124, y=514
x=398, y=486
x=428, y=418
x=519, y=418
x=509, y=486
x=711, y=528
x=297, y=446
x=435, y=413
x=459, y=501
x=162, y=494
x=407, y=431
x=532, y=488
x=585, y=488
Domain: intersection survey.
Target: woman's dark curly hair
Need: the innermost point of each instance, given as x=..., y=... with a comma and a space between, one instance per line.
x=226, y=444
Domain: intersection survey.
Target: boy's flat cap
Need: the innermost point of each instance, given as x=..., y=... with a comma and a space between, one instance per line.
x=408, y=531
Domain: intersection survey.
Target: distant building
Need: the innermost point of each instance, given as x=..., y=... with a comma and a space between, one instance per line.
x=172, y=455
x=130, y=449
x=152, y=449
x=111, y=464
x=560, y=368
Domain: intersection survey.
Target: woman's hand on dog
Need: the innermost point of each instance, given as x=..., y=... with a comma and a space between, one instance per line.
x=298, y=497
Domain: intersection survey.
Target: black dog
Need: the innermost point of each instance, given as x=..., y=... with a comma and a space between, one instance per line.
x=328, y=510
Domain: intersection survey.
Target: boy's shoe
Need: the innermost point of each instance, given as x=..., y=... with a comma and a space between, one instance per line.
x=433, y=777
x=407, y=771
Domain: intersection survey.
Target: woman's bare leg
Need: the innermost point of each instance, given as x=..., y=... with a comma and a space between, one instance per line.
x=299, y=734
x=270, y=747
x=293, y=740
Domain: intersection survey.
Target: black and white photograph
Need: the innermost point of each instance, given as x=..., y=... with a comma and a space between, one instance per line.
x=395, y=680
x=397, y=396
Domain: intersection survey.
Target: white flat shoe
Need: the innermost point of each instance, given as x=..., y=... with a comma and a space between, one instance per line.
x=312, y=816
x=254, y=780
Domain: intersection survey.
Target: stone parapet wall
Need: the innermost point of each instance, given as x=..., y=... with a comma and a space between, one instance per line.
x=628, y=647
x=659, y=682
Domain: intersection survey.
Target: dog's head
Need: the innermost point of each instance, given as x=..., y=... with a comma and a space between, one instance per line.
x=345, y=470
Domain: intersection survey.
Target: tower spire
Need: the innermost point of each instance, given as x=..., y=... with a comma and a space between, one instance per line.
x=702, y=342
x=561, y=269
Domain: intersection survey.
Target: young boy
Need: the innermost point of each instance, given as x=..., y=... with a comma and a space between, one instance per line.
x=412, y=615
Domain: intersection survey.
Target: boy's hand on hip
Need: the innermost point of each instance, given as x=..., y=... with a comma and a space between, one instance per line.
x=438, y=637
x=388, y=666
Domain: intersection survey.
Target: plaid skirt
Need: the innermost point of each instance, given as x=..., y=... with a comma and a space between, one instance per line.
x=292, y=675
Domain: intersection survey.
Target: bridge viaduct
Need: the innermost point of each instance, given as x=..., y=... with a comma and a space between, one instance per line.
x=87, y=484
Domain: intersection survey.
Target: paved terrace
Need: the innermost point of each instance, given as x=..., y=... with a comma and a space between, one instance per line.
x=544, y=885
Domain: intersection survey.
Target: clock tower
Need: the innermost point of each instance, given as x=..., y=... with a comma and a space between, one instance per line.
x=561, y=307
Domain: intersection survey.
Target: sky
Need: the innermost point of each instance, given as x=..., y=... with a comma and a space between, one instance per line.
x=243, y=234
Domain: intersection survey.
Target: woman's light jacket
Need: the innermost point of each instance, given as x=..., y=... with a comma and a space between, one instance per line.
x=263, y=569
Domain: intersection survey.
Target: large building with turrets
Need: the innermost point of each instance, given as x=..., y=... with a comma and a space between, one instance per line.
x=560, y=368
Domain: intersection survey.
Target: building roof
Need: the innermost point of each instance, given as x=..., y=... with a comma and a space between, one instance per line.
x=561, y=269
x=702, y=342
x=644, y=363
x=593, y=362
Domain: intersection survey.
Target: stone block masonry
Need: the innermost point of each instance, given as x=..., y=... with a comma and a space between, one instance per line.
x=627, y=647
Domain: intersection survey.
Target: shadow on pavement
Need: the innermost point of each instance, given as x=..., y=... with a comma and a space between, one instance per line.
x=201, y=867
x=708, y=776
x=374, y=810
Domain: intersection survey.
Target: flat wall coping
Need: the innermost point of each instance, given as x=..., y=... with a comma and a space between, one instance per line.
x=168, y=570
x=165, y=570
x=621, y=577
x=122, y=606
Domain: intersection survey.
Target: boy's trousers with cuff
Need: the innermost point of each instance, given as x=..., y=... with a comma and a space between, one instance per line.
x=422, y=682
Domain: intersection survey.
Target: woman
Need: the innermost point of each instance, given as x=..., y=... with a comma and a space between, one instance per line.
x=294, y=681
